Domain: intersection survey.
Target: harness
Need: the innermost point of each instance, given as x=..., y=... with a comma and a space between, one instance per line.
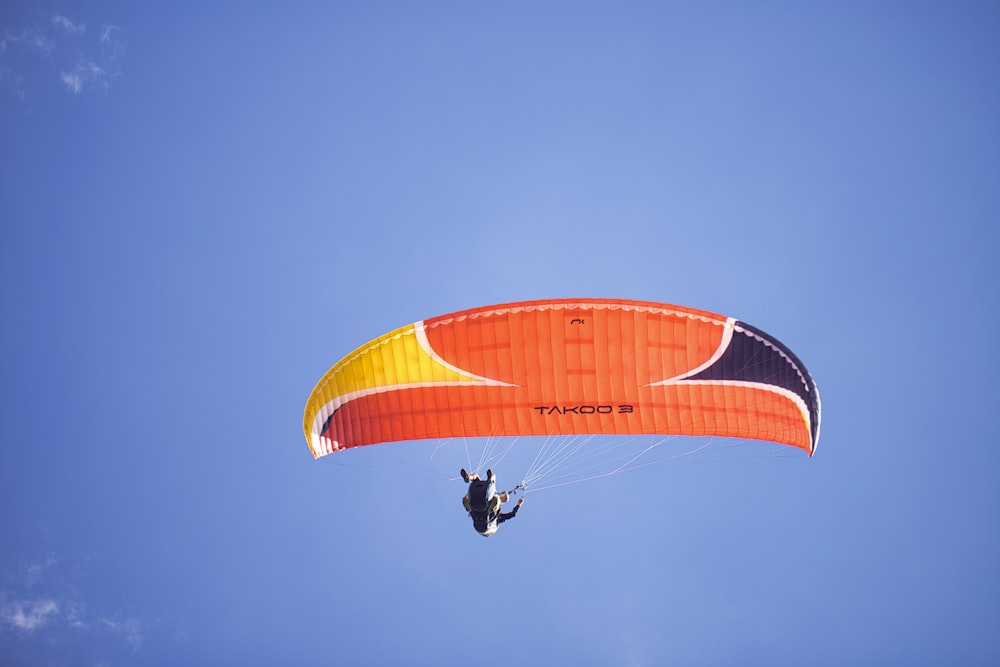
x=480, y=504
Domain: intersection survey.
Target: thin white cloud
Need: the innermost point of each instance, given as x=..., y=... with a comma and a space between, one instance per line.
x=81, y=59
x=67, y=25
x=107, y=34
x=86, y=74
x=129, y=628
x=32, y=616
x=73, y=81
x=32, y=40
x=112, y=48
x=41, y=603
x=35, y=571
x=28, y=616
x=75, y=615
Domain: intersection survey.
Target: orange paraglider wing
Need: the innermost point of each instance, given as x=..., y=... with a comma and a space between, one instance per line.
x=566, y=367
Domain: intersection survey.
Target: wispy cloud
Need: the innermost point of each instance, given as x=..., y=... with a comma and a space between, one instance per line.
x=28, y=615
x=75, y=615
x=28, y=39
x=87, y=73
x=130, y=628
x=112, y=49
x=35, y=571
x=108, y=34
x=73, y=81
x=42, y=603
x=67, y=25
x=82, y=60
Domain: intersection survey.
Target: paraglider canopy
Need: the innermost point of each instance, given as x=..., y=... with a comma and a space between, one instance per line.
x=566, y=367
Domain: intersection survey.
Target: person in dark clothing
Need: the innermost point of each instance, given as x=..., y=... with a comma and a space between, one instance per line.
x=483, y=503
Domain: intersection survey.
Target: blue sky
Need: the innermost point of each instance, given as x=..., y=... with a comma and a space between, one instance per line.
x=203, y=208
